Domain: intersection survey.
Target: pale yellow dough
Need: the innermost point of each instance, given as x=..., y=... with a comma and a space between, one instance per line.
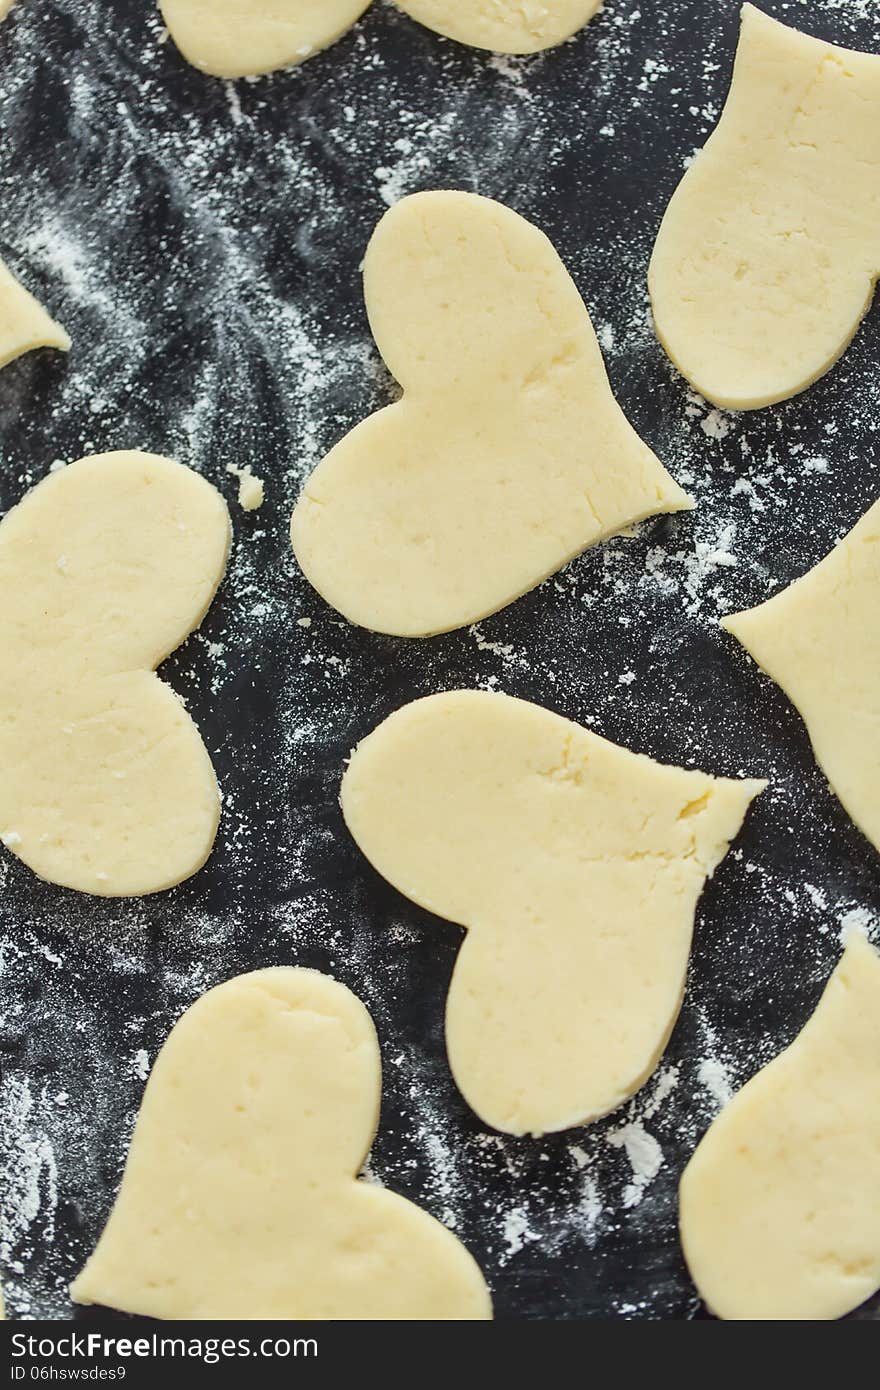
x=5, y=7
x=24, y=323
x=780, y=1218
x=251, y=489
x=243, y=38
x=239, y=1199
x=508, y=454
x=769, y=251
x=506, y=26
x=105, y=567
x=576, y=866
x=820, y=641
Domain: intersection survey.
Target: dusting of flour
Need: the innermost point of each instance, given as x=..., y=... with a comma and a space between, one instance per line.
x=201, y=243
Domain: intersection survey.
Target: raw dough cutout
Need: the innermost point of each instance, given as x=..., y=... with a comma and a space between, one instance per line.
x=505, y=26
x=24, y=323
x=239, y=1199
x=575, y=864
x=5, y=7
x=243, y=38
x=779, y=1213
x=508, y=454
x=105, y=568
x=820, y=641
x=766, y=260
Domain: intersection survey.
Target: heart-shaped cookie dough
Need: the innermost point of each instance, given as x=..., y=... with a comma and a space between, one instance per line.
x=780, y=1217
x=239, y=1197
x=576, y=867
x=820, y=641
x=508, y=454
x=768, y=254
x=105, y=567
x=24, y=323
x=505, y=26
x=243, y=38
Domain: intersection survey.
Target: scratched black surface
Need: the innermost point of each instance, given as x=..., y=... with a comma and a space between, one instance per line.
x=209, y=216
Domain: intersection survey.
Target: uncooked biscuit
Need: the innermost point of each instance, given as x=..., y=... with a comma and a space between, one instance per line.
x=508, y=454
x=105, y=567
x=576, y=867
x=24, y=323
x=779, y=1212
x=238, y=1198
x=243, y=38
x=769, y=251
x=505, y=26
x=820, y=641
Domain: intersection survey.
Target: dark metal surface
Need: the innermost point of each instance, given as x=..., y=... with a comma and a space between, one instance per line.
x=201, y=243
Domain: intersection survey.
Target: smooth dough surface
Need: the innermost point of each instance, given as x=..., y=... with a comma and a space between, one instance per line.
x=780, y=1218
x=507, y=455
x=243, y=38
x=576, y=867
x=505, y=26
x=820, y=641
x=239, y=1199
x=24, y=323
x=105, y=567
x=768, y=254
